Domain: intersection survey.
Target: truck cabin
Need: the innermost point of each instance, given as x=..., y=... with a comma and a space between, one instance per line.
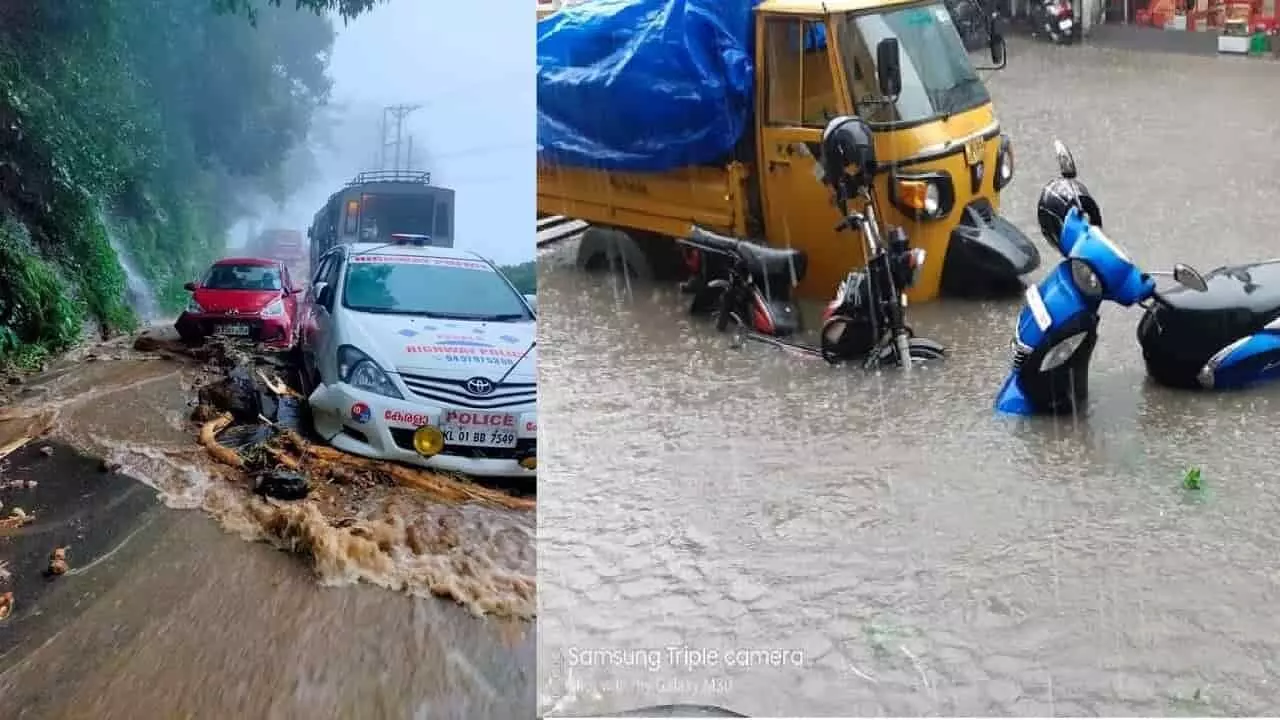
x=820, y=59
x=381, y=205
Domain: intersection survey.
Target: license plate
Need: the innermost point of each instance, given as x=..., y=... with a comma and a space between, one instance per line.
x=479, y=429
x=974, y=150
x=1064, y=25
x=231, y=330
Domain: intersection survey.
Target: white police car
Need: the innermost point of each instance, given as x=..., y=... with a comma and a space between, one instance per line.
x=423, y=355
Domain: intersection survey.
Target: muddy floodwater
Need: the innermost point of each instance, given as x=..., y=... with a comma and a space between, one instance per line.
x=166, y=613
x=763, y=532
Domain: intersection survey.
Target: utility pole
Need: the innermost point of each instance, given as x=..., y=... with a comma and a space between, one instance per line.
x=395, y=114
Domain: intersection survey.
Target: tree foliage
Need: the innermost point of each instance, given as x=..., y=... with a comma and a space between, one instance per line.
x=524, y=276
x=346, y=9
x=147, y=122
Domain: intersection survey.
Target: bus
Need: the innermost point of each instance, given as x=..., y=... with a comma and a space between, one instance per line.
x=378, y=204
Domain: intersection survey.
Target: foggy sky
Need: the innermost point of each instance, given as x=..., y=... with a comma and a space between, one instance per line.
x=471, y=67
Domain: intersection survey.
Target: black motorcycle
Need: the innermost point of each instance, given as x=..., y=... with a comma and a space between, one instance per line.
x=1054, y=19
x=973, y=21
x=743, y=283
x=867, y=317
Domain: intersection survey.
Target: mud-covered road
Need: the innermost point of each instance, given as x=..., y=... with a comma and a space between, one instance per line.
x=388, y=603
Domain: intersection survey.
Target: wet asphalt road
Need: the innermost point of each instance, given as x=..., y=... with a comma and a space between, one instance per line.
x=919, y=555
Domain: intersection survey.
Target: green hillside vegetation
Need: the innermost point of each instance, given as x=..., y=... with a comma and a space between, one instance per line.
x=144, y=120
x=524, y=276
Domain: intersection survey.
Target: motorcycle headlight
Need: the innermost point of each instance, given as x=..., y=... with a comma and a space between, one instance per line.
x=922, y=196
x=275, y=308
x=1085, y=278
x=1004, y=164
x=1062, y=352
x=360, y=371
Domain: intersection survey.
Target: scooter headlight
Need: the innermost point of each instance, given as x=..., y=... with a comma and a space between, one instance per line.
x=1062, y=352
x=1004, y=164
x=1085, y=278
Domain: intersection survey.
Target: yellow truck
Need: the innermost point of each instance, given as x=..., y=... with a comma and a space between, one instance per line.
x=941, y=128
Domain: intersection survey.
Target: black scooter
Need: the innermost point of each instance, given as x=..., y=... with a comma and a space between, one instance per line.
x=743, y=283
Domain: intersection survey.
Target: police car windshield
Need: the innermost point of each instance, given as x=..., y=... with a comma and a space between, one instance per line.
x=429, y=286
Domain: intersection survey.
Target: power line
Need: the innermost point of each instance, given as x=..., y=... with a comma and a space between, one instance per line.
x=399, y=113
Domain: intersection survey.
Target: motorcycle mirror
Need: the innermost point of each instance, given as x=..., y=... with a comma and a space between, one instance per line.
x=1189, y=277
x=1066, y=163
x=889, y=67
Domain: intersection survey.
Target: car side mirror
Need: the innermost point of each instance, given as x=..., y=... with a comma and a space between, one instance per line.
x=190, y=287
x=889, y=67
x=323, y=293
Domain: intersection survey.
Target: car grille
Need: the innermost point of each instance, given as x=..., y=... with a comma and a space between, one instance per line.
x=454, y=392
x=524, y=447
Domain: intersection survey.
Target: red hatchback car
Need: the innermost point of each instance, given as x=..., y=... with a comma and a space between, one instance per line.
x=251, y=298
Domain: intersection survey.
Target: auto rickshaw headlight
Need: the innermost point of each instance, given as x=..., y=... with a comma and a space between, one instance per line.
x=1004, y=164
x=923, y=196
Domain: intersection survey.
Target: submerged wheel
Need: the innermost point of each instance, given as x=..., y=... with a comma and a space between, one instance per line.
x=925, y=349
x=843, y=337
x=725, y=315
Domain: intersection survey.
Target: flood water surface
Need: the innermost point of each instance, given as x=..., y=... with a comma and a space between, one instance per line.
x=750, y=529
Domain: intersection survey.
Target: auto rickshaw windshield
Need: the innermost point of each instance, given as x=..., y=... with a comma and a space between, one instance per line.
x=938, y=80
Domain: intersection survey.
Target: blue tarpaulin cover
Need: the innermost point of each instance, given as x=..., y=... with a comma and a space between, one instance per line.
x=644, y=85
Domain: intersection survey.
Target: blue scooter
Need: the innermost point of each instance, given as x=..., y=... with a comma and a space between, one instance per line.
x=1058, y=326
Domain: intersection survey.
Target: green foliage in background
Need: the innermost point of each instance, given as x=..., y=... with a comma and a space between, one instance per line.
x=346, y=9
x=524, y=276
x=146, y=122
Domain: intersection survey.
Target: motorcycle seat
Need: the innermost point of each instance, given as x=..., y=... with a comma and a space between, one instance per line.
x=761, y=260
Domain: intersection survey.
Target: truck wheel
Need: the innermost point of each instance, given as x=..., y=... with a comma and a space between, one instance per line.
x=613, y=250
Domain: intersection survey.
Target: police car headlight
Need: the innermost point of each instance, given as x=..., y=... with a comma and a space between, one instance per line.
x=1085, y=279
x=1062, y=352
x=360, y=371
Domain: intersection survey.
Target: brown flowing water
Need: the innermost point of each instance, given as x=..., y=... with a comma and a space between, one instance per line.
x=904, y=550
x=178, y=616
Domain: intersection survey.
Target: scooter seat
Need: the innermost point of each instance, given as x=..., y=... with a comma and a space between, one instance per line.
x=762, y=261
x=1243, y=295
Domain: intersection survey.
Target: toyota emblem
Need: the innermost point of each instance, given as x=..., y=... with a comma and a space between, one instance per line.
x=479, y=386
